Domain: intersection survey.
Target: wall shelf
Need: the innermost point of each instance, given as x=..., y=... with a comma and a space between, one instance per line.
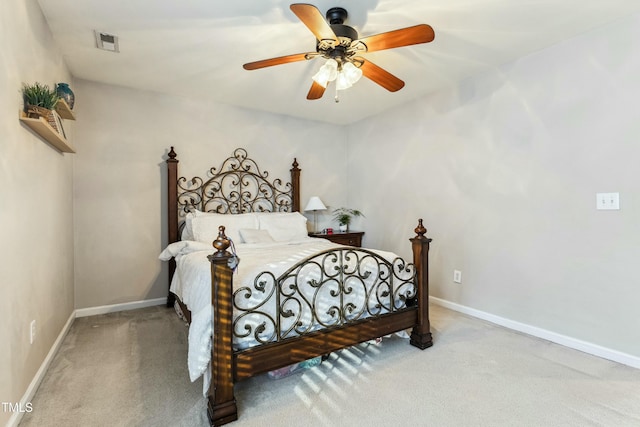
x=64, y=110
x=42, y=128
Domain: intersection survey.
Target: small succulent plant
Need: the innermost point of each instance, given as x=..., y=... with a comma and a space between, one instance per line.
x=40, y=95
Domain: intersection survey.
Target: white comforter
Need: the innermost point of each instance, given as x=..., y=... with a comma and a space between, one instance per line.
x=192, y=283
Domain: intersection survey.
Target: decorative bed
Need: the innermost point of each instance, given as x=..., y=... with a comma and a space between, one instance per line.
x=269, y=296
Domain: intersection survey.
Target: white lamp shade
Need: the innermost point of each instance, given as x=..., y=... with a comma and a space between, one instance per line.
x=327, y=73
x=342, y=82
x=345, y=74
x=352, y=72
x=315, y=204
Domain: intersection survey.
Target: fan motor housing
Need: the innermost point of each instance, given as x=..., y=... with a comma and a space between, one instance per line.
x=345, y=34
x=336, y=15
x=344, y=31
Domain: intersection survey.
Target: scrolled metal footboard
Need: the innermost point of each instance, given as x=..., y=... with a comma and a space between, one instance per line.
x=332, y=288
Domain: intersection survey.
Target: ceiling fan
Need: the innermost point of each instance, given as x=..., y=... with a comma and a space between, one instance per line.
x=341, y=46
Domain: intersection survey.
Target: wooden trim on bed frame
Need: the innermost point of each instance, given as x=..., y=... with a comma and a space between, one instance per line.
x=172, y=210
x=221, y=402
x=295, y=186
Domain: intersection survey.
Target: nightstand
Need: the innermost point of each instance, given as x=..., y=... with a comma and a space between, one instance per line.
x=349, y=238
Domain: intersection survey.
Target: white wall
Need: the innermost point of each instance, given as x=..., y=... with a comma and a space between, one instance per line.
x=504, y=169
x=36, y=188
x=120, y=176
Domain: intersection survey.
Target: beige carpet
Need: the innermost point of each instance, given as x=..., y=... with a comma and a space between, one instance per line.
x=129, y=369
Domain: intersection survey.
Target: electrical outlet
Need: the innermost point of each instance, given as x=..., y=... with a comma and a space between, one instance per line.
x=457, y=276
x=32, y=332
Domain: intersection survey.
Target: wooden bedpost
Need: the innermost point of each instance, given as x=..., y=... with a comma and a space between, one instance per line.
x=421, y=333
x=295, y=184
x=172, y=214
x=221, y=406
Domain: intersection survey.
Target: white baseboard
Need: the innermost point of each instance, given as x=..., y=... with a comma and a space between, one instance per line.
x=37, y=379
x=104, y=309
x=576, y=344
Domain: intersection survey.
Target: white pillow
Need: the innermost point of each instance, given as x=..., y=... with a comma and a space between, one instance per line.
x=205, y=227
x=250, y=235
x=187, y=229
x=284, y=227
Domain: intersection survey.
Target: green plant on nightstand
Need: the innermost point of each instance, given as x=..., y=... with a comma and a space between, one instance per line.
x=344, y=217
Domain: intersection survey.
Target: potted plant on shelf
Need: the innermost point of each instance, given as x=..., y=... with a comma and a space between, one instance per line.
x=344, y=217
x=40, y=101
x=39, y=97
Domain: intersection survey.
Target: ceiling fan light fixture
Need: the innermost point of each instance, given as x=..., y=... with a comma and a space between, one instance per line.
x=339, y=44
x=351, y=72
x=342, y=82
x=327, y=73
x=345, y=75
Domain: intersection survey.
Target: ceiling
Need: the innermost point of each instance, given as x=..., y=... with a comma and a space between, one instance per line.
x=196, y=48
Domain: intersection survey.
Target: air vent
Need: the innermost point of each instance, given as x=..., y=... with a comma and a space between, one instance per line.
x=106, y=41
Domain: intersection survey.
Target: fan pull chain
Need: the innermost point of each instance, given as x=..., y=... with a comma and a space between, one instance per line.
x=336, y=98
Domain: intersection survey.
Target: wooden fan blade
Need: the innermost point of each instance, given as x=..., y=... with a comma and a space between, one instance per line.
x=314, y=20
x=417, y=34
x=316, y=91
x=381, y=76
x=276, y=61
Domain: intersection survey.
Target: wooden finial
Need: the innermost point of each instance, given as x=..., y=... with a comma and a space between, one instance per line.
x=295, y=164
x=172, y=154
x=420, y=230
x=222, y=242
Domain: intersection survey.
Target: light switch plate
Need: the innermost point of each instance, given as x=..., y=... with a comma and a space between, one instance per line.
x=608, y=201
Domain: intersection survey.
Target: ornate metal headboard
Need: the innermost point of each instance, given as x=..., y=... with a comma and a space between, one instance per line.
x=237, y=186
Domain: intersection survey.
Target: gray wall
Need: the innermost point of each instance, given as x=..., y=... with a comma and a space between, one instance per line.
x=504, y=169
x=36, y=207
